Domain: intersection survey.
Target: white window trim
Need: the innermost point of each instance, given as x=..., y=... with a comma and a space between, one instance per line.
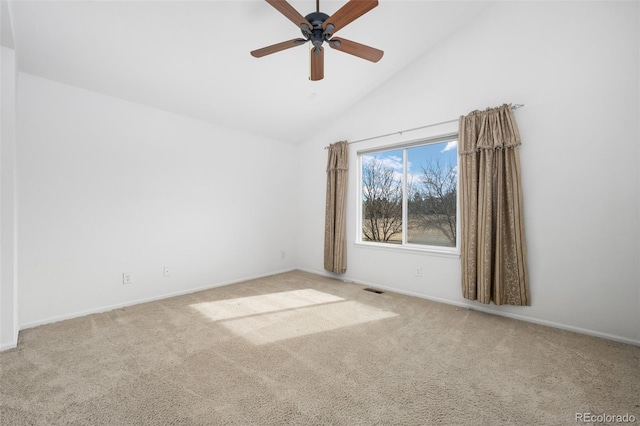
x=406, y=247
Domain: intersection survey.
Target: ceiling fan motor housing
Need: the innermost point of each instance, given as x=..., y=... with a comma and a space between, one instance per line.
x=317, y=35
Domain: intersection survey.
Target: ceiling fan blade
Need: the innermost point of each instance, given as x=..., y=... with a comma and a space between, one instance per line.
x=317, y=63
x=349, y=13
x=259, y=53
x=289, y=12
x=360, y=50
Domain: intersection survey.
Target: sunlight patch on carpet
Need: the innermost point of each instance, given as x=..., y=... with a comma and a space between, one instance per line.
x=272, y=302
x=273, y=327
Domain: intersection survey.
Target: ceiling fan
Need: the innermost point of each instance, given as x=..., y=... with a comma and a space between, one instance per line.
x=318, y=27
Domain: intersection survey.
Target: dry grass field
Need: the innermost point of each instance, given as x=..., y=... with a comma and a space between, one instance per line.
x=420, y=235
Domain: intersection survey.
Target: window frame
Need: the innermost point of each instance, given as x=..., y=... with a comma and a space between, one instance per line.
x=404, y=245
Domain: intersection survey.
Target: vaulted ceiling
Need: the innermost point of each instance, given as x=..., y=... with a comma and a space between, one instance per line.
x=192, y=57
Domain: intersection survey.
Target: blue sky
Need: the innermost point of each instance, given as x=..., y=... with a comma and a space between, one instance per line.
x=446, y=152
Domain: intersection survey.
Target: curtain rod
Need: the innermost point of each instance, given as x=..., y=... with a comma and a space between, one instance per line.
x=514, y=107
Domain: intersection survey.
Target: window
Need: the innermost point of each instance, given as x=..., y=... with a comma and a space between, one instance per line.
x=409, y=195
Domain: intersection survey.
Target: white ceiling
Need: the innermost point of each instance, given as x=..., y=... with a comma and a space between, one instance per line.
x=192, y=57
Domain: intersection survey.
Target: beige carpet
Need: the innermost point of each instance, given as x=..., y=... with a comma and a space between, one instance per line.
x=306, y=350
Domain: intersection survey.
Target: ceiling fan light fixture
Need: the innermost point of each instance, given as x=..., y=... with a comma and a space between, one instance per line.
x=330, y=29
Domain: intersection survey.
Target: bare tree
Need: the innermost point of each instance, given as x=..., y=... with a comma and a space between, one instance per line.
x=434, y=200
x=381, y=201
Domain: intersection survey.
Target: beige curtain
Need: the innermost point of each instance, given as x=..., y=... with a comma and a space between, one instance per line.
x=335, y=250
x=493, y=243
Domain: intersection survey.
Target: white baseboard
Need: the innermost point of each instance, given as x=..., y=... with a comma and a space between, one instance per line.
x=475, y=307
x=7, y=346
x=11, y=343
x=108, y=308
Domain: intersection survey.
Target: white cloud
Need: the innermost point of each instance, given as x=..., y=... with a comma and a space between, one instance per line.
x=392, y=162
x=451, y=145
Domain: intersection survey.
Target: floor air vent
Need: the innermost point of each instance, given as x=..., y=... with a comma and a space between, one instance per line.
x=373, y=290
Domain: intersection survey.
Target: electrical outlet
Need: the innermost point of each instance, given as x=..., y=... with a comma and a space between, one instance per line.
x=127, y=278
x=418, y=272
x=166, y=271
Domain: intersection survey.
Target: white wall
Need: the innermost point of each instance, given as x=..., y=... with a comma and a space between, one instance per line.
x=8, y=202
x=108, y=186
x=575, y=66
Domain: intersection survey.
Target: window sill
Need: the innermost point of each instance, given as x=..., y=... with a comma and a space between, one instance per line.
x=451, y=254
